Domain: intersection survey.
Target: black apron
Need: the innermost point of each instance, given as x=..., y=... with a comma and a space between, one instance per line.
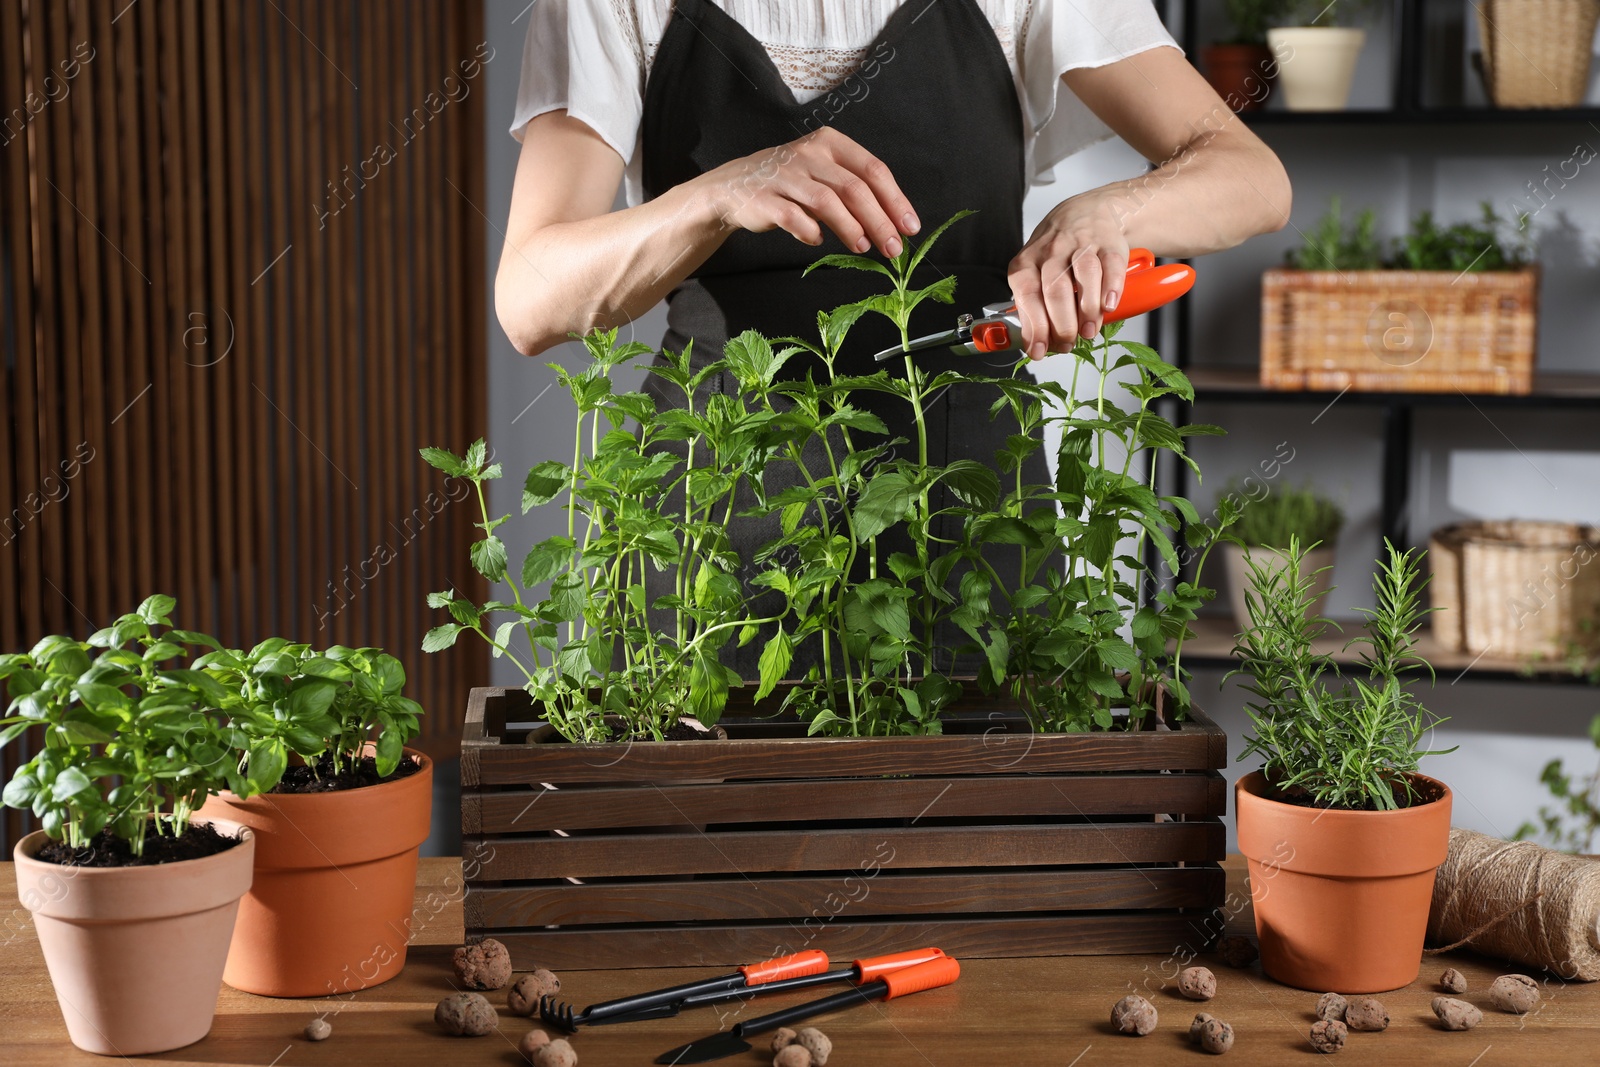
x=935, y=101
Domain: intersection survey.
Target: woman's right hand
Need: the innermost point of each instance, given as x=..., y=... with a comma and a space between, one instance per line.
x=821, y=179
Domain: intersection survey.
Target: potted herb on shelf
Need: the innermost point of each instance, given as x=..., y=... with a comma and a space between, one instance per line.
x=339, y=807
x=1267, y=523
x=1242, y=69
x=133, y=896
x=1439, y=309
x=883, y=573
x=1316, y=55
x=1341, y=834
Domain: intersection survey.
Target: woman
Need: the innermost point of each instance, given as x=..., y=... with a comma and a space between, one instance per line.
x=754, y=136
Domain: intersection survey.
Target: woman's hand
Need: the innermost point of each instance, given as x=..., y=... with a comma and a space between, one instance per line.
x=1069, y=274
x=821, y=179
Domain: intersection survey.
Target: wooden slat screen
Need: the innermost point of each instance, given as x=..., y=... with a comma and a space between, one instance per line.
x=242, y=282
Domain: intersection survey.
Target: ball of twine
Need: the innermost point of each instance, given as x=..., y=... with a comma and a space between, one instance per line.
x=1519, y=901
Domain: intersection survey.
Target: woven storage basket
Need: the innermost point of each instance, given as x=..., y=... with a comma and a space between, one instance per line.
x=1399, y=331
x=1516, y=588
x=1536, y=53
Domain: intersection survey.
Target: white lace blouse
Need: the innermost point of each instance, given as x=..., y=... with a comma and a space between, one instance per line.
x=591, y=57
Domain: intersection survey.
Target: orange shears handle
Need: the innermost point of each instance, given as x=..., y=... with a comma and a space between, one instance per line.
x=878, y=966
x=930, y=975
x=811, y=961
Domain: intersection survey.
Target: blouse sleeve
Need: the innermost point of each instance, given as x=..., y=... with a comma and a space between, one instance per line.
x=1064, y=35
x=580, y=56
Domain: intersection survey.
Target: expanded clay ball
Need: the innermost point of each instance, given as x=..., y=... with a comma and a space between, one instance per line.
x=532, y=1042
x=558, y=1053
x=1328, y=1035
x=815, y=1042
x=318, y=1030
x=465, y=1015
x=1195, y=1027
x=523, y=999
x=1367, y=1014
x=1453, y=981
x=1456, y=1014
x=1331, y=1006
x=485, y=965
x=782, y=1038
x=1134, y=1015
x=1514, y=993
x=1197, y=983
x=792, y=1056
x=1238, y=951
x=1216, y=1036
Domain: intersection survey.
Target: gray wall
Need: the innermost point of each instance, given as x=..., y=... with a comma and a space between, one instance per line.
x=1463, y=464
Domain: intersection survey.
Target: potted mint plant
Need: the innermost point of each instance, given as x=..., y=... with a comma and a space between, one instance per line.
x=906, y=620
x=134, y=897
x=1316, y=51
x=1341, y=833
x=1241, y=68
x=339, y=807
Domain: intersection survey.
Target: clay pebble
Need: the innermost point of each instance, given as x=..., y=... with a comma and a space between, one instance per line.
x=1238, y=951
x=1197, y=983
x=527, y=991
x=1216, y=1036
x=1456, y=1014
x=817, y=1043
x=557, y=1053
x=1331, y=1006
x=1134, y=1015
x=1453, y=981
x=318, y=1030
x=1367, y=1014
x=1200, y=1020
x=1328, y=1035
x=531, y=1042
x=485, y=965
x=792, y=1056
x=782, y=1038
x=1516, y=993
x=465, y=1015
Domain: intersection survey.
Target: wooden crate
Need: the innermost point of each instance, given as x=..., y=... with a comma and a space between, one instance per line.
x=988, y=841
x=1399, y=331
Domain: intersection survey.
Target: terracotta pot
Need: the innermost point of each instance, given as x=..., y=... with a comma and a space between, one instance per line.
x=1316, y=64
x=330, y=910
x=1242, y=74
x=1237, y=575
x=1341, y=897
x=135, y=953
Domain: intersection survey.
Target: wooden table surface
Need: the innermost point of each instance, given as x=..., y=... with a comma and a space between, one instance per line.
x=1001, y=1013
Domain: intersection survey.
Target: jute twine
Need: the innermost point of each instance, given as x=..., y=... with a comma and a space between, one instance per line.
x=1519, y=901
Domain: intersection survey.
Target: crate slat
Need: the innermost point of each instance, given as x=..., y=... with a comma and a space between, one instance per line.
x=646, y=804
x=737, y=852
x=810, y=899
x=964, y=938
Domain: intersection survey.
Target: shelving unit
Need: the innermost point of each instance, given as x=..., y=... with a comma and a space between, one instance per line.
x=1240, y=385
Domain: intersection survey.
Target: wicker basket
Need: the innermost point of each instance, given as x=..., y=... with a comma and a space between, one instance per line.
x=1516, y=588
x=1399, y=331
x=1536, y=53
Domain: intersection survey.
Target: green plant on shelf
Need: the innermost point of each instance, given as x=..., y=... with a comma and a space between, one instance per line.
x=1334, y=742
x=1492, y=243
x=1322, y=12
x=132, y=743
x=1283, y=513
x=285, y=699
x=1028, y=577
x=1572, y=822
x=1250, y=19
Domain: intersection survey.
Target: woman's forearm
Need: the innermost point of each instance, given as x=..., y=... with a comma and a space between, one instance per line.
x=571, y=277
x=1213, y=193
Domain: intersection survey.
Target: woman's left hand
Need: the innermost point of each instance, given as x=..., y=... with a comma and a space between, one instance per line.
x=1069, y=274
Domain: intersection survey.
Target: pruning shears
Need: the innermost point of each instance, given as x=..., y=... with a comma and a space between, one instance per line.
x=999, y=328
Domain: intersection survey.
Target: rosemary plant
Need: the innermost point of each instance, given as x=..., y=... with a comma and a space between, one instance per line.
x=1335, y=742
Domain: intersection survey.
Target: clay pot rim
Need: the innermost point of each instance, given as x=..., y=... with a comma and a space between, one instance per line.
x=262, y=801
x=1254, y=784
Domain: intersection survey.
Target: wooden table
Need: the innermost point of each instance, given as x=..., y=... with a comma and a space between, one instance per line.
x=1001, y=1013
